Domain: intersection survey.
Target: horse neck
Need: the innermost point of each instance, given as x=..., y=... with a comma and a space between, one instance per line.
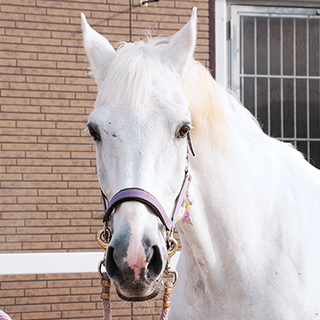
x=229, y=161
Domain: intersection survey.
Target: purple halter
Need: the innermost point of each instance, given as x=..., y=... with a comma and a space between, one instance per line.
x=140, y=195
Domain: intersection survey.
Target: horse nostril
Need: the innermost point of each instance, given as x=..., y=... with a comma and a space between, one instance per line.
x=111, y=266
x=155, y=265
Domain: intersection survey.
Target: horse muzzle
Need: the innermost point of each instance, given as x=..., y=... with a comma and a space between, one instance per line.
x=136, y=278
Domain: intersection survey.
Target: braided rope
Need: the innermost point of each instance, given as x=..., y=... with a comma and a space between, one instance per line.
x=105, y=296
x=166, y=301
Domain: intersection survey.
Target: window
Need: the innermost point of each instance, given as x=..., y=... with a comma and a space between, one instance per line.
x=275, y=70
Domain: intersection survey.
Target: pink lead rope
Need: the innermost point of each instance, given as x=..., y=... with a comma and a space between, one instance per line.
x=105, y=296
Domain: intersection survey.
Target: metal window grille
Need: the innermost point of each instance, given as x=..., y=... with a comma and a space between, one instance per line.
x=275, y=69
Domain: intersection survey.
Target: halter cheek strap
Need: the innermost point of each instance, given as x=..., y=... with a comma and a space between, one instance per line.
x=140, y=195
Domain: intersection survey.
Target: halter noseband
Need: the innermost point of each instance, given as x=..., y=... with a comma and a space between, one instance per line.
x=140, y=195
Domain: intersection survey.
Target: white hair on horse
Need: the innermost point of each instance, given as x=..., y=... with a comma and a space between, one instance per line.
x=253, y=250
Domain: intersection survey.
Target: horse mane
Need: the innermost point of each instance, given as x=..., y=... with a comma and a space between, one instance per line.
x=214, y=109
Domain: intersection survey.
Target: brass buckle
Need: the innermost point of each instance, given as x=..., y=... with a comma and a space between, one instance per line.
x=103, y=238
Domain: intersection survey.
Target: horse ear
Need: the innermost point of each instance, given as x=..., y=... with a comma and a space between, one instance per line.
x=182, y=45
x=99, y=51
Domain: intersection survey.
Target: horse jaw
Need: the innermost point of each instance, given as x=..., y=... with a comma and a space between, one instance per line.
x=99, y=51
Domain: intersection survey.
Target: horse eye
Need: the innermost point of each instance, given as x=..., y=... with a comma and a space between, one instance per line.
x=184, y=131
x=94, y=134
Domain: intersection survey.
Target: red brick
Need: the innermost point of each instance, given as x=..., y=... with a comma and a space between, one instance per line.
x=22, y=109
x=47, y=155
x=23, y=215
x=64, y=110
x=47, y=223
x=39, y=41
x=33, y=48
x=31, y=3
x=11, y=16
x=46, y=18
x=48, y=102
x=35, y=124
x=7, y=124
x=37, y=200
x=42, y=177
x=68, y=207
x=15, y=207
x=26, y=285
x=54, y=162
x=12, y=293
x=27, y=169
x=7, y=200
x=28, y=238
x=67, y=13
x=41, y=315
x=24, y=116
x=22, y=9
x=26, y=33
x=10, y=70
x=28, y=86
x=57, y=192
x=70, y=147
x=11, y=154
x=56, y=57
x=10, y=176
x=8, y=231
x=34, y=184
x=54, y=299
x=78, y=199
x=18, y=192
x=26, y=308
x=42, y=79
x=60, y=132
x=10, y=247
x=41, y=246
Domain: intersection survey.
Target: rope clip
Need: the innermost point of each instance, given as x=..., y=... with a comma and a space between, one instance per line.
x=172, y=245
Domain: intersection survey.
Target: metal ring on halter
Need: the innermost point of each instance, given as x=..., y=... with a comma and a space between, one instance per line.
x=104, y=245
x=101, y=263
x=102, y=233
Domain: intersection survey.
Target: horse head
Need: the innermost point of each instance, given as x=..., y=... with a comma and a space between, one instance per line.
x=140, y=126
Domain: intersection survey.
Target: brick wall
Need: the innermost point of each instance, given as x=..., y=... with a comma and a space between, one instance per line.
x=49, y=193
x=60, y=296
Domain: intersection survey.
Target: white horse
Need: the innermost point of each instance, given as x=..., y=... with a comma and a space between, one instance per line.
x=253, y=251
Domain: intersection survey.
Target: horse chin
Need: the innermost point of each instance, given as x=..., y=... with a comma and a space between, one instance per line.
x=134, y=294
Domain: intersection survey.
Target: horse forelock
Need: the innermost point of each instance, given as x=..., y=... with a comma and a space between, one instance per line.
x=132, y=75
